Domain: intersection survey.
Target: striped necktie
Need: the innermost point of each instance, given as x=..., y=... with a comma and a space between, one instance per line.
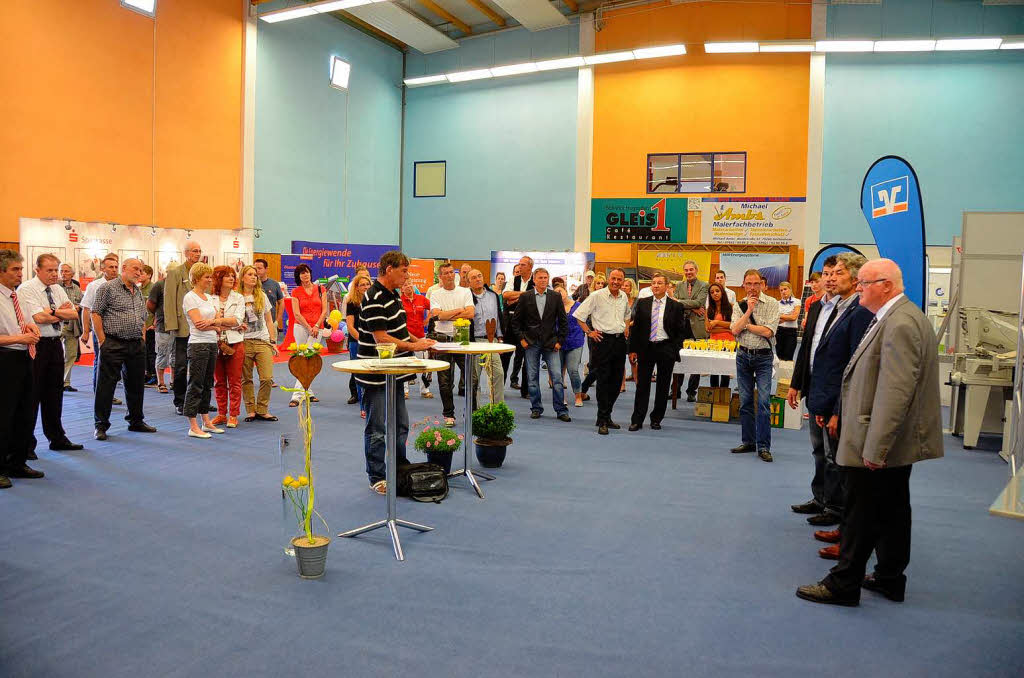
x=655, y=319
x=871, y=326
x=21, y=321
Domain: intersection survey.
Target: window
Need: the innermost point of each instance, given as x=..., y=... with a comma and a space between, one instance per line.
x=147, y=7
x=697, y=172
x=429, y=179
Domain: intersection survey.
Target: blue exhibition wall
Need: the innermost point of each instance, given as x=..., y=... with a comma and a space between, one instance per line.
x=509, y=145
x=327, y=160
x=954, y=116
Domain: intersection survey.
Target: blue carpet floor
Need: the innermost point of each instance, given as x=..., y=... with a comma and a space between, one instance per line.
x=635, y=554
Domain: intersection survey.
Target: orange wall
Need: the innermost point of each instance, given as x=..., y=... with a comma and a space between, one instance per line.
x=755, y=103
x=77, y=124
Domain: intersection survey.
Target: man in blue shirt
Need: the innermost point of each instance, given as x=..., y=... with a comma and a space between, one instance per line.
x=486, y=307
x=271, y=287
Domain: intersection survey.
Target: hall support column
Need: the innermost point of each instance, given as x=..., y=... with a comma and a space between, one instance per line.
x=584, y=137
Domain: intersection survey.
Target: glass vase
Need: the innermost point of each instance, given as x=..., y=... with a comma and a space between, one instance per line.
x=293, y=463
x=462, y=335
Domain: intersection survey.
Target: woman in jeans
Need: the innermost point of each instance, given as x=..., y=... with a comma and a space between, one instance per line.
x=309, y=308
x=260, y=343
x=717, y=321
x=227, y=378
x=204, y=325
x=572, y=350
x=353, y=303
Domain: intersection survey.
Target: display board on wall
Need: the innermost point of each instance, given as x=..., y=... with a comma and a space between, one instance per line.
x=570, y=265
x=774, y=267
x=331, y=258
x=671, y=262
x=753, y=221
x=422, y=273
x=638, y=220
x=85, y=245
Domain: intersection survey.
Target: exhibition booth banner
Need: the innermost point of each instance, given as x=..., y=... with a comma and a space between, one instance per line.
x=572, y=266
x=891, y=201
x=84, y=244
x=638, y=220
x=327, y=259
x=818, y=262
x=422, y=274
x=671, y=263
x=752, y=221
x=774, y=267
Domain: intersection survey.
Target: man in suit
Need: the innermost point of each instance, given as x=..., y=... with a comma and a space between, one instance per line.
x=176, y=285
x=692, y=293
x=522, y=282
x=891, y=418
x=655, y=338
x=541, y=325
x=843, y=331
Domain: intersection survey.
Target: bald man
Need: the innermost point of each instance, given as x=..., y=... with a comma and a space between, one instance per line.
x=176, y=285
x=890, y=419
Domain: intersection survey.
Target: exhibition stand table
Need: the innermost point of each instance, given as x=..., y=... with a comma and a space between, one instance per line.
x=469, y=351
x=693, y=361
x=391, y=369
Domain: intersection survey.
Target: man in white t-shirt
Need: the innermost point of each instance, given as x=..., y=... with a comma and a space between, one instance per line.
x=448, y=303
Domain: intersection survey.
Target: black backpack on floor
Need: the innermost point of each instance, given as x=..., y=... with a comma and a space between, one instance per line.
x=422, y=482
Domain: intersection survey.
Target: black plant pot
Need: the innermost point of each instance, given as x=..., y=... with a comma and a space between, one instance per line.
x=442, y=459
x=491, y=453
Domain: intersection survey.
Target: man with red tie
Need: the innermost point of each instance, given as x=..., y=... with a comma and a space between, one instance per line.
x=18, y=340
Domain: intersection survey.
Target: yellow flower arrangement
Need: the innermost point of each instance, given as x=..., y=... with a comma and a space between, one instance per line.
x=462, y=331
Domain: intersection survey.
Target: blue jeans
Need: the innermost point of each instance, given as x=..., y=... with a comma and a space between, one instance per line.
x=748, y=368
x=554, y=360
x=571, y=363
x=375, y=433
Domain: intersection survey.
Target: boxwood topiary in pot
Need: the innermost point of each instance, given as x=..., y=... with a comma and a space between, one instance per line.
x=491, y=425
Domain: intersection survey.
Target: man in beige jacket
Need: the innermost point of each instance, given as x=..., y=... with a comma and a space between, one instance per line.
x=890, y=418
x=176, y=285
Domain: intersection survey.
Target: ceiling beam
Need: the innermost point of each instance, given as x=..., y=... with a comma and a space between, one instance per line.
x=488, y=12
x=372, y=31
x=446, y=15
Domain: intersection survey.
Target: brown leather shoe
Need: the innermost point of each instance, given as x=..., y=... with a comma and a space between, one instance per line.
x=219, y=419
x=819, y=593
x=830, y=552
x=828, y=536
x=5, y=482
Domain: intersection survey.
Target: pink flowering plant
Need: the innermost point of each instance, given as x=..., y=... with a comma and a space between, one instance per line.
x=436, y=437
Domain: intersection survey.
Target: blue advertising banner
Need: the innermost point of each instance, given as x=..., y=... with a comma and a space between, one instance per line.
x=328, y=258
x=890, y=199
x=818, y=262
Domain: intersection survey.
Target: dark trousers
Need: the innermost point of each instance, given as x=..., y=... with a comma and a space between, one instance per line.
x=506, y=358
x=16, y=421
x=877, y=519
x=785, y=342
x=519, y=374
x=719, y=380
x=180, y=370
x=446, y=382
x=375, y=432
x=827, y=483
x=150, y=354
x=609, y=364
x=588, y=380
x=202, y=359
x=694, y=381
x=48, y=388
x=125, y=359
x=659, y=355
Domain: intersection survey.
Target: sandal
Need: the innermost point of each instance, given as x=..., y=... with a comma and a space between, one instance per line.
x=380, y=487
x=313, y=399
x=294, y=403
x=162, y=388
x=266, y=417
x=449, y=422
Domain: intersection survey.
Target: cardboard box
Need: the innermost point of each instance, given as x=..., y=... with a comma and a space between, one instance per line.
x=776, y=413
x=702, y=409
x=705, y=394
x=720, y=412
x=734, y=406
x=722, y=396
x=783, y=388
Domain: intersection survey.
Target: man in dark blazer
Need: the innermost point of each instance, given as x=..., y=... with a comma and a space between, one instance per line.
x=540, y=322
x=522, y=282
x=692, y=293
x=654, y=341
x=891, y=418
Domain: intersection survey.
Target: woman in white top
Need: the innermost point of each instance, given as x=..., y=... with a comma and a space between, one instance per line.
x=227, y=377
x=260, y=342
x=789, y=311
x=204, y=323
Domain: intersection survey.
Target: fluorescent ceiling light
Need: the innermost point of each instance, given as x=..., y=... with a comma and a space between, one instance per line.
x=466, y=76
x=514, y=69
x=555, y=64
x=335, y=5
x=147, y=7
x=425, y=80
x=662, y=51
x=964, y=44
x=286, y=14
x=339, y=73
x=730, y=47
x=309, y=10
x=905, y=46
x=801, y=46
x=1012, y=43
x=402, y=24
x=844, y=46
x=608, y=58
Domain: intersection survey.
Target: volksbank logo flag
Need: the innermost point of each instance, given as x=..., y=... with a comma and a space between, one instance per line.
x=891, y=202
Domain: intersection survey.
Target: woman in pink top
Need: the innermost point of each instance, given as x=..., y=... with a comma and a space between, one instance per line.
x=716, y=322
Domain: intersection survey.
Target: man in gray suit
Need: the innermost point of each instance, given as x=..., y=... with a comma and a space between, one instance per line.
x=890, y=418
x=692, y=293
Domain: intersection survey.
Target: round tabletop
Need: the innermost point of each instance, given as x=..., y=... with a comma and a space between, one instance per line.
x=396, y=366
x=475, y=347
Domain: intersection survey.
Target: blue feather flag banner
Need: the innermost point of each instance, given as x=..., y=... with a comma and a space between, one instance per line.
x=890, y=199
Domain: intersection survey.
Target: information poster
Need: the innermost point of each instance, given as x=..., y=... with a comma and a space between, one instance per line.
x=752, y=221
x=421, y=274
x=774, y=267
x=569, y=265
x=638, y=220
x=327, y=259
x=671, y=263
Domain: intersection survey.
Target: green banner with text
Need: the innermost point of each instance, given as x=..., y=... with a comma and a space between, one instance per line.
x=638, y=220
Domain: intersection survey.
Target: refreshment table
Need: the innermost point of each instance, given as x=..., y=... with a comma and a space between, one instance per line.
x=391, y=369
x=468, y=351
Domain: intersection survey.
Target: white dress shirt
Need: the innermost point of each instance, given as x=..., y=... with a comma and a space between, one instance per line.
x=607, y=314
x=32, y=298
x=827, y=306
x=9, y=325
x=89, y=298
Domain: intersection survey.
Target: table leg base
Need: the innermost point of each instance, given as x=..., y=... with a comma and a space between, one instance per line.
x=392, y=526
x=471, y=477
x=476, y=472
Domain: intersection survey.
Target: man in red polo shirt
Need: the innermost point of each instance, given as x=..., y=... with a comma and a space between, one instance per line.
x=416, y=308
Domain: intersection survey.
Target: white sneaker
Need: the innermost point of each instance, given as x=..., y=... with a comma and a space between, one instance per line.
x=210, y=429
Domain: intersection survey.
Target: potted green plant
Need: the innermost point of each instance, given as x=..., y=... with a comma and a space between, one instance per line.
x=438, y=442
x=492, y=425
